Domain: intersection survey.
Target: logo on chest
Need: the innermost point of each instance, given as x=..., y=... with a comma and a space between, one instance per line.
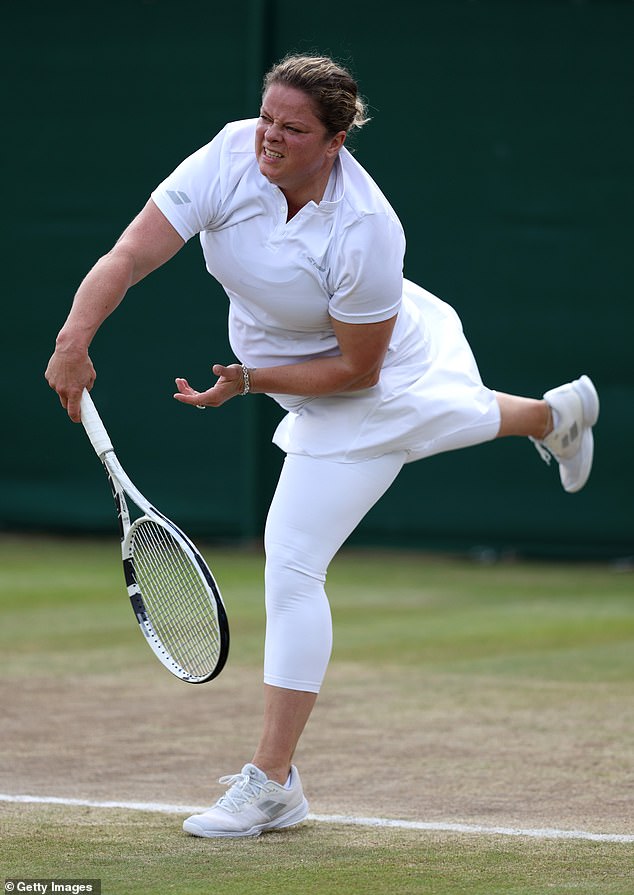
x=316, y=265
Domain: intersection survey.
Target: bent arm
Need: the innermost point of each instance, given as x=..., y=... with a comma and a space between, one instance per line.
x=147, y=243
x=363, y=348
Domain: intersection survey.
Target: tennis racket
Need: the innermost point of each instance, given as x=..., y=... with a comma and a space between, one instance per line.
x=174, y=596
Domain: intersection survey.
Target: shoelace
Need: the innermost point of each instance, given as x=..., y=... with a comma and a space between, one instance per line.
x=542, y=450
x=243, y=788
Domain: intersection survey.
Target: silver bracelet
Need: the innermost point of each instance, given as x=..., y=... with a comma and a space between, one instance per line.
x=246, y=381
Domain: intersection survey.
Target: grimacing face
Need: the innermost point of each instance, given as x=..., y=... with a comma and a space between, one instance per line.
x=292, y=147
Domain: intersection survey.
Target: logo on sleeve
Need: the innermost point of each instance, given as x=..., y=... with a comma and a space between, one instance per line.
x=178, y=197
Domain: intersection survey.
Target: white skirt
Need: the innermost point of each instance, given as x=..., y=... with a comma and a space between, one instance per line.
x=430, y=397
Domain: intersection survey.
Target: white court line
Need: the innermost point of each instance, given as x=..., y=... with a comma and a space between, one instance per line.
x=544, y=833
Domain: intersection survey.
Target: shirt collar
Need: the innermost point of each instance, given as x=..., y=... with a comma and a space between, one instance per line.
x=333, y=194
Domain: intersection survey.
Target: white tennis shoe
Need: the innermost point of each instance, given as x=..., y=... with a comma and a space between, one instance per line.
x=252, y=805
x=575, y=407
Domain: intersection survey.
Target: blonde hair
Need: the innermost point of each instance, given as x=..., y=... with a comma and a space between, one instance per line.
x=331, y=87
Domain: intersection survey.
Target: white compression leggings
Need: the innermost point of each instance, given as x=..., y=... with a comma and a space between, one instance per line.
x=317, y=505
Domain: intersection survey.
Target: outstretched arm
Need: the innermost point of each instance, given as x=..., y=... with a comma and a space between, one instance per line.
x=147, y=243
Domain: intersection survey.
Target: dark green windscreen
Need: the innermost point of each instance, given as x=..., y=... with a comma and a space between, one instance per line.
x=502, y=135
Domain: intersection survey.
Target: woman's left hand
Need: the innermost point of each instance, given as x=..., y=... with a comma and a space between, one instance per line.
x=229, y=384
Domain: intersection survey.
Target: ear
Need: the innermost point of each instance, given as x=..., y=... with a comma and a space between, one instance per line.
x=335, y=144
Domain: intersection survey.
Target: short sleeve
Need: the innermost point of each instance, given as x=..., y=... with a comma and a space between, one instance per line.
x=191, y=195
x=369, y=270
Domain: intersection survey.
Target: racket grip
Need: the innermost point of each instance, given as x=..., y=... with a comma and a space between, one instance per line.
x=95, y=429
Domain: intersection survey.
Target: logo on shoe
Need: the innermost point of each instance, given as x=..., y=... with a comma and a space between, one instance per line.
x=571, y=436
x=272, y=809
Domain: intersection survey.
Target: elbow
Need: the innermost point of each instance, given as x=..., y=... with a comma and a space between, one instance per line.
x=120, y=264
x=373, y=378
x=366, y=380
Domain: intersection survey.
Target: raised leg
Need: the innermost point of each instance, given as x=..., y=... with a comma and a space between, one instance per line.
x=530, y=417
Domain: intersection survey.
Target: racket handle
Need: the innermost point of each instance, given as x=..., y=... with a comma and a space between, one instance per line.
x=95, y=429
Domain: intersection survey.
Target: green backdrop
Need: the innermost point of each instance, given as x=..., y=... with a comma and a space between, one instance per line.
x=501, y=133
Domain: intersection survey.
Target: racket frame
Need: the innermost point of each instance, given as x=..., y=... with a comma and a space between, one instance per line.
x=121, y=485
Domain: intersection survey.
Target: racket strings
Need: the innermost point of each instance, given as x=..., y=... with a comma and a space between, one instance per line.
x=176, y=599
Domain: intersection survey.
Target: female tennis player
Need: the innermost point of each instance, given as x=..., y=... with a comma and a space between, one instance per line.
x=373, y=371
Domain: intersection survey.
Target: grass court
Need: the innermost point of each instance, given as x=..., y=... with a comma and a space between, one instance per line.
x=489, y=696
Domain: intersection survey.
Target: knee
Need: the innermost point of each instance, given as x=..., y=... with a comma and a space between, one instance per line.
x=291, y=578
x=294, y=554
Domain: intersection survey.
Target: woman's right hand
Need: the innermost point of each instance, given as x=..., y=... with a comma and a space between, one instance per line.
x=149, y=241
x=69, y=372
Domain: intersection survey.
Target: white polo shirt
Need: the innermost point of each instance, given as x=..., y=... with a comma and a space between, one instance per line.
x=341, y=258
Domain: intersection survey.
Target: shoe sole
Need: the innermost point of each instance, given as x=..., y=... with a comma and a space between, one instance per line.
x=587, y=393
x=290, y=819
x=584, y=387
